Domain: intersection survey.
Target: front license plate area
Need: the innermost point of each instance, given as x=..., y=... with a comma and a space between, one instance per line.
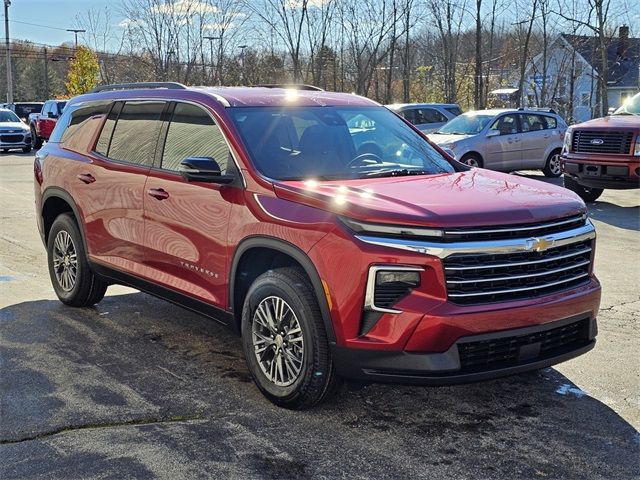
x=592, y=170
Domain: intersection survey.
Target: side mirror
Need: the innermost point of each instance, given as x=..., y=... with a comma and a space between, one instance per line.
x=203, y=169
x=493, y=133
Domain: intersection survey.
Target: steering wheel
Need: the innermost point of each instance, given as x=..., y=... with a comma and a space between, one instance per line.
x=363, y=157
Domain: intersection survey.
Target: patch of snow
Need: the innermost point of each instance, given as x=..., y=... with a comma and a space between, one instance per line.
x=567, y=389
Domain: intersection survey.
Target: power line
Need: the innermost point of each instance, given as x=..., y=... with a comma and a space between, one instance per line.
x=37, y=25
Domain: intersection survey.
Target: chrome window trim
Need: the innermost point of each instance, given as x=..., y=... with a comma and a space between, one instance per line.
x=519, y=229
x=444, y=250
x=369, y=296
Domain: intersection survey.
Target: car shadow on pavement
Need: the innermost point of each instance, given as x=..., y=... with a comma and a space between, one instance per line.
x=139, y=387
x=627, y=218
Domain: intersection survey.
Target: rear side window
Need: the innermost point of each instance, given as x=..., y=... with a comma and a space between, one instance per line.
x=135, y=134
x=193, y=133
x=431, y=115
x=454, y=110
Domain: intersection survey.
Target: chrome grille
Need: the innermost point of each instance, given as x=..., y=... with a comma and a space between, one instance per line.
x=514, y=231
x=593, y=141
x=485, y=278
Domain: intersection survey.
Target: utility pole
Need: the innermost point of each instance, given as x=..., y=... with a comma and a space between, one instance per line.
x=211, y=39
x=242, y=75
x=7, y=4
x=76, y=31
x=46, y=75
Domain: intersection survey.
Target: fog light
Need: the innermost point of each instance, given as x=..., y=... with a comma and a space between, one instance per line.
x=401, y=279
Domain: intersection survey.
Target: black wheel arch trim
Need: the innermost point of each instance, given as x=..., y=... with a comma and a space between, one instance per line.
x=259, y=241
x=57, y=192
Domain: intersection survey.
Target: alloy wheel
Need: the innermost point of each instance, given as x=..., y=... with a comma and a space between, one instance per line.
x=65, y=261
x=472, y=162
x=554, y=164
x=277, y=341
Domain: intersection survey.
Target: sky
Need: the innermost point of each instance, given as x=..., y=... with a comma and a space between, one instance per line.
x=52, y=18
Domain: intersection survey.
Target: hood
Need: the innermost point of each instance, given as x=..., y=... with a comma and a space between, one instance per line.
x=13, y=126
x=440, y=139
x=612, y=121
x=476, y=197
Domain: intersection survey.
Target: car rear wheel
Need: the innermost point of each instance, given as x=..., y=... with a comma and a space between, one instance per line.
x=472, y=160
x=285, y=342
x=72, y=279
x=552, y=168
x=585, y=193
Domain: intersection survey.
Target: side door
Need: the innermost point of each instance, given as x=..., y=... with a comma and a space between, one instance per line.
x=112, y=183
x=186, y=222
x=504, y=148
x=534, y=135
x=44, y=128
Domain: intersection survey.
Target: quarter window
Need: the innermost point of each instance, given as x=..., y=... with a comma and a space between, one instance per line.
x=136, y=131
x=193, y=133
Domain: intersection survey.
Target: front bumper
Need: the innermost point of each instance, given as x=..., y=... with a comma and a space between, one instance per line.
x=605, y=172
x=25, y=142
x=506, y=353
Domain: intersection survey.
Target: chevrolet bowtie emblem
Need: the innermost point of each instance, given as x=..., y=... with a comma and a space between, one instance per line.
x=539, y=244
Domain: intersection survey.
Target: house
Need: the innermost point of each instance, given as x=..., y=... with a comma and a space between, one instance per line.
x=569, y=81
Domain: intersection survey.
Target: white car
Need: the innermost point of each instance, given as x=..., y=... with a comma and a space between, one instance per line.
x=14, y=133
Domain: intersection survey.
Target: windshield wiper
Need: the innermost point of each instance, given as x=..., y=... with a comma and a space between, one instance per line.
x=401, y=172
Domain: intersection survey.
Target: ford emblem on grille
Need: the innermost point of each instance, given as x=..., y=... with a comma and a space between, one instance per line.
x=597, y=141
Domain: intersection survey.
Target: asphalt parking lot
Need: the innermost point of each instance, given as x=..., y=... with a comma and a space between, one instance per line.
x=137, y=387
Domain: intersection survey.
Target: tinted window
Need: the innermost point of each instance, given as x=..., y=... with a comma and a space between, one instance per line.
x=135, y=135
x=102, y=145
x=455, y=110
x=430, y=115
x=193, y=133
x=333, y=143
x=506, y=125
x=75, y=120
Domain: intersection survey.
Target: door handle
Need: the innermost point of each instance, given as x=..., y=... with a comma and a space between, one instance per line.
x=158, y=193
x=86, y=178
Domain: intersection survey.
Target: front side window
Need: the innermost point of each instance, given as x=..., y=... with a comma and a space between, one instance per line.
x=193, y=133
x=135, y=135
x=430, y=115
x=506, y=125
x=298, y=143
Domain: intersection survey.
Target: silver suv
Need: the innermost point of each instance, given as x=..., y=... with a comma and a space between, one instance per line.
x=427, y=117
x=506, y=140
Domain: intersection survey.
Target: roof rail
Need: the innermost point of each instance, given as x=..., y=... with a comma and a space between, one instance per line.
x=138, y=85
x=538, y=109
x=294, y=86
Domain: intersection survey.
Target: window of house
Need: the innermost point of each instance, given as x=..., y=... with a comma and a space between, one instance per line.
x=585, y=99
x=193, y=133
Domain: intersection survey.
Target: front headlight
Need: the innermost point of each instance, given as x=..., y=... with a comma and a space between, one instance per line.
x=566, y=145
x=636, y=151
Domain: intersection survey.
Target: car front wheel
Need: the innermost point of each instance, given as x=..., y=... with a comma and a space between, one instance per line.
x=472, y=160
x=285, y=342
x=72, y=279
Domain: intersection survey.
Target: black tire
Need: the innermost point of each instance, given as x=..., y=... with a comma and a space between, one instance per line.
x=552, y=167
x=316, y=379
x=35, y=140
x=26, y=149
x=472, y=160
x=86, y=289
x=585, y=193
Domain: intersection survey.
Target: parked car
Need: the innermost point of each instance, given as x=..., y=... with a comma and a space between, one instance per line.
x=23, y=109
x=42, y=123
x=269, y=210
x=428, y=117
x=506, y=140
x=14, y=134
x=604, y=153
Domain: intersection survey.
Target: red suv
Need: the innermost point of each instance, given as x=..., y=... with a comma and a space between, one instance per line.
x=325, y=229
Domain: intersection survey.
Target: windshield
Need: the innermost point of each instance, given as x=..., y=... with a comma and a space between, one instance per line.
x=329, y=143
x=466, y=124
x=8, y=116
x=630, y=107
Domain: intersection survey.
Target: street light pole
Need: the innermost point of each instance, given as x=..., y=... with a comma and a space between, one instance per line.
x=211, y=39
x=7, y=4
x=76, y=31
x=242, y=75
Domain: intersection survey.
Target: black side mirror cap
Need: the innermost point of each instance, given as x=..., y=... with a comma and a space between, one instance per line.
x=203, y=169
